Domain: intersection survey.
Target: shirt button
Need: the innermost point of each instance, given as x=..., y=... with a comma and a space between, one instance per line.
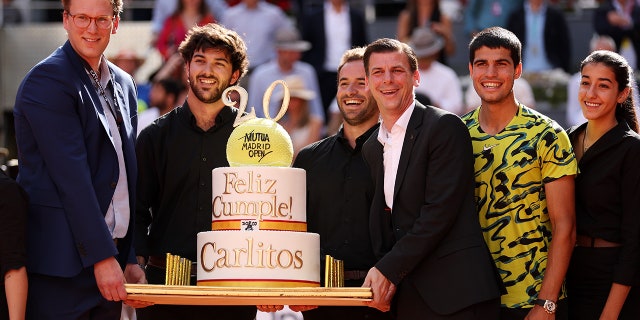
x=204, y=159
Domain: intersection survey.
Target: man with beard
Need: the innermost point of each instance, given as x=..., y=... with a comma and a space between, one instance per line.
x=163, y=97
x=176, y=154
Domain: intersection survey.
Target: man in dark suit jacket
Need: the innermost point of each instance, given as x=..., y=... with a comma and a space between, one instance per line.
x=424, y=226
x=75, y=119
x=315, y=31
x=554, y=32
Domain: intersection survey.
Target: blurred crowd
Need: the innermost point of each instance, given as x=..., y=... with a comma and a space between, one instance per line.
x=301, y=42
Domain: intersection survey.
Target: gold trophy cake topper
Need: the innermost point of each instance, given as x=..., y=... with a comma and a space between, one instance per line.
x=258, y=141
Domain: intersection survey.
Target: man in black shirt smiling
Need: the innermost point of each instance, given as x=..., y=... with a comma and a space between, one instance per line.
x=176, y=154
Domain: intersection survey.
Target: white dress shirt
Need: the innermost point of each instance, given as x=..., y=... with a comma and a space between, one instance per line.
x=338, y=35
x=441, y=84
x=257, y=27
x=118, y=214
x=392, y=143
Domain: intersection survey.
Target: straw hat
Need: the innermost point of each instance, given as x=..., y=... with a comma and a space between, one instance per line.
x=127, y=54
x=288, y=38
x=425, y=42
x=297, y=89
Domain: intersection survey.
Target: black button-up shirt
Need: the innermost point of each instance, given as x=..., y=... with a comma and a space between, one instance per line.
x=175, y=160
x=339, y=194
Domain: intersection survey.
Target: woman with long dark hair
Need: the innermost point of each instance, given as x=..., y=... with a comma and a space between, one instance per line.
x=604, y=273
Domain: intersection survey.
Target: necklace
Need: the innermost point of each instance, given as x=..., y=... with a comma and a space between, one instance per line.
x=584, y=138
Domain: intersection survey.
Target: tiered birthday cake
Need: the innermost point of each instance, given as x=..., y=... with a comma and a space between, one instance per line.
x=258, y=236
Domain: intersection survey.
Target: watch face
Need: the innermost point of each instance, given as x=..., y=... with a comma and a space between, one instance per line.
x=550, y=306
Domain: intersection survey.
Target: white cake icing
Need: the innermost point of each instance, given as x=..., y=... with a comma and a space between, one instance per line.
x=259, y=259
x=259, y=223
x=273, y=198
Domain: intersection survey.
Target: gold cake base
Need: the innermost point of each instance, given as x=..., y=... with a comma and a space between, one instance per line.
x=204, y=295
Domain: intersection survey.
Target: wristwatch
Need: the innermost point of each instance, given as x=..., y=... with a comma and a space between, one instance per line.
x=548, y=305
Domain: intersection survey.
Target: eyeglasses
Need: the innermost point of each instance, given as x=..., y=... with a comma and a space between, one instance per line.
x=83, y=20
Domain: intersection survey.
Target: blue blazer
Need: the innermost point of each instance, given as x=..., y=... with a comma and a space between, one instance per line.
x=68, y=164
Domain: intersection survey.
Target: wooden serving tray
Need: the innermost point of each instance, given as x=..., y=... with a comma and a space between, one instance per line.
x=205, y=295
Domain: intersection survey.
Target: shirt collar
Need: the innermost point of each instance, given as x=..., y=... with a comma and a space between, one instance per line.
x=401, y=124
x=403, y=121
x=225, y=115
x=328, y=8
x=359, y=140
x=105, y=75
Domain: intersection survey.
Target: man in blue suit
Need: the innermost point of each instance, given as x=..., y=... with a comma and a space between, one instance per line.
x=75, y=118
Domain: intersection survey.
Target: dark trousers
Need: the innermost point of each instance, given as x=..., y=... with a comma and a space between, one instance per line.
x=171, y=312
x=59, y=298
x=589, y=281
x=347, y=313
x=4, y=308
x=520, y=313
x=409, y=305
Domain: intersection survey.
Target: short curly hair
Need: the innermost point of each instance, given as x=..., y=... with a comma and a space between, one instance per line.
x=213, y=35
